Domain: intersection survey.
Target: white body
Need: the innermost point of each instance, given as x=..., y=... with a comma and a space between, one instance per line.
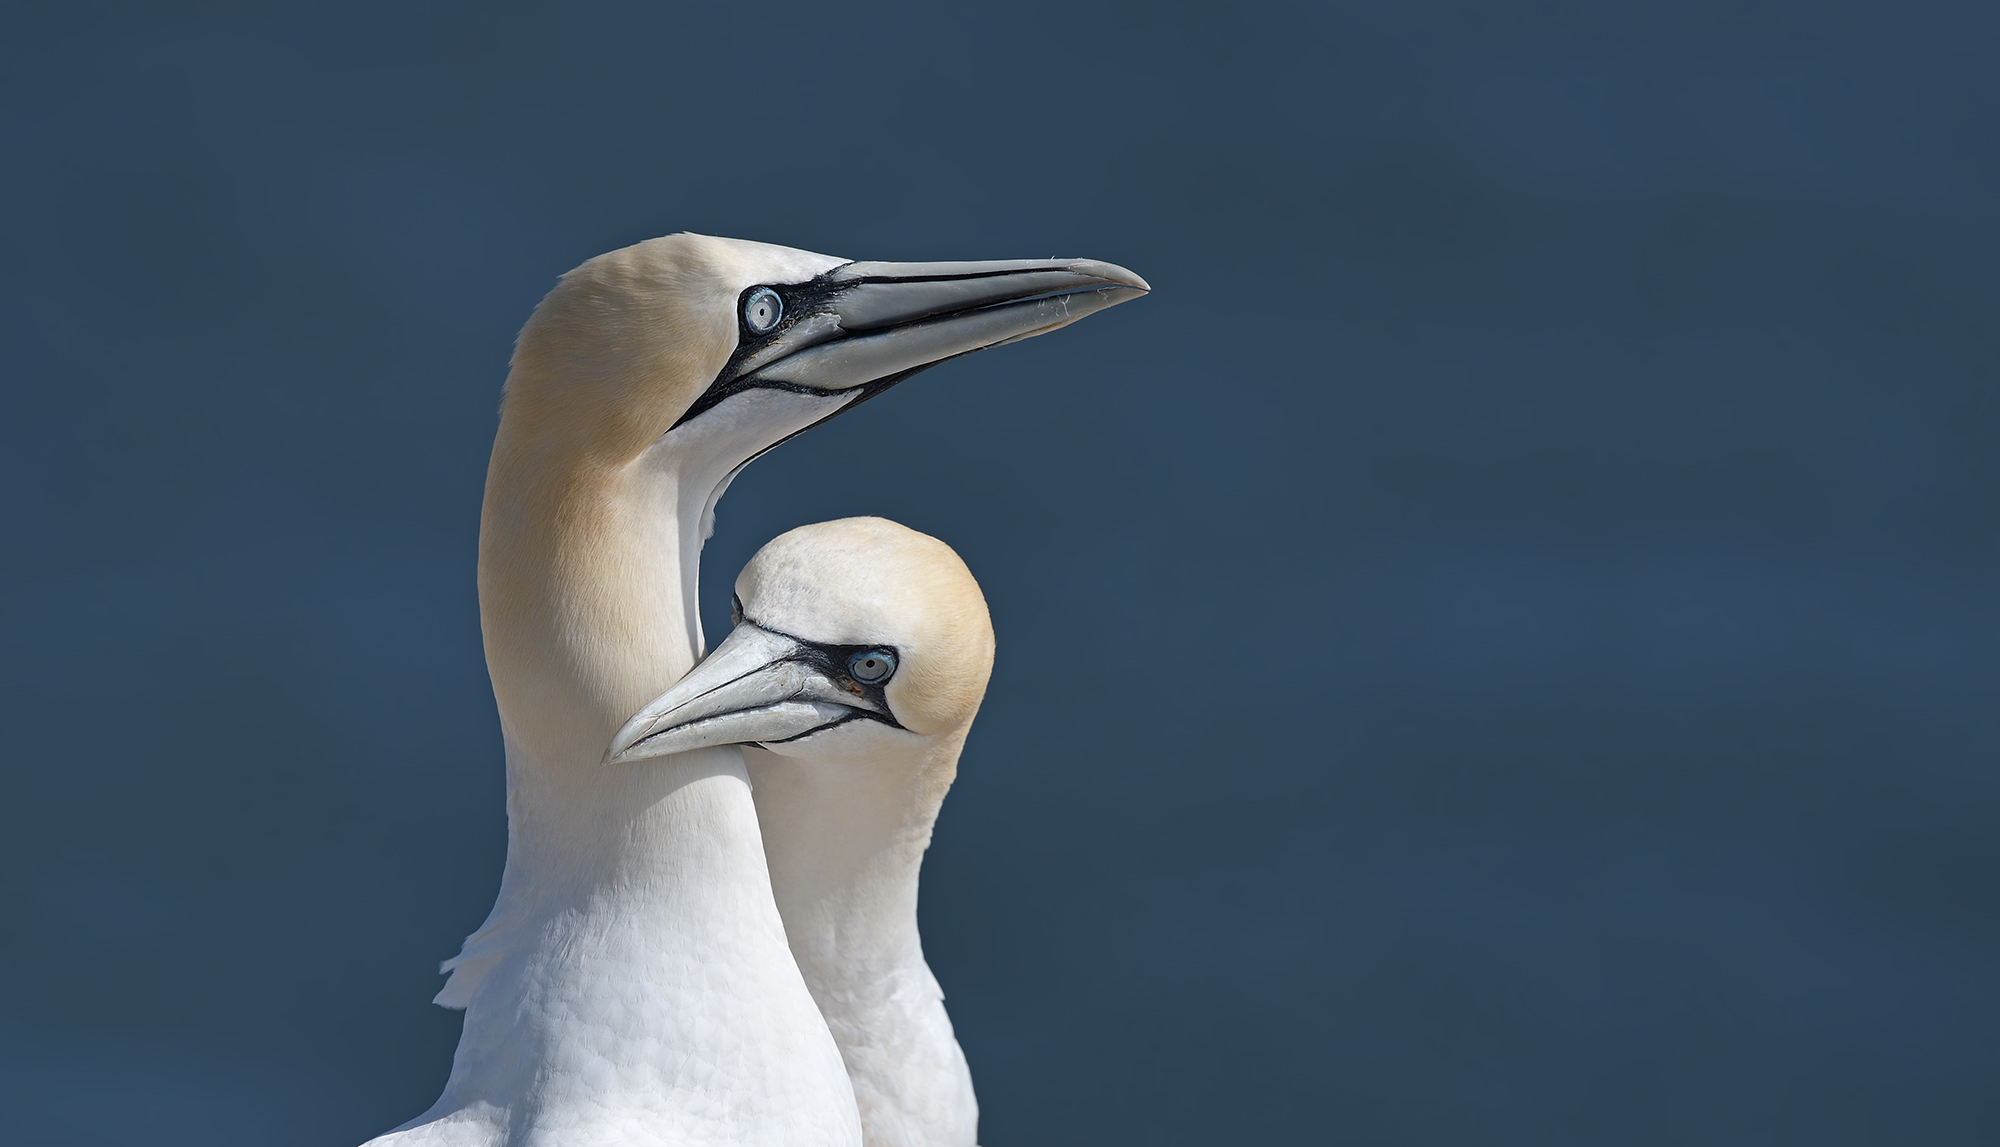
x=637, y=990
x=854, y=762
x=844, y=847
x=633, y=983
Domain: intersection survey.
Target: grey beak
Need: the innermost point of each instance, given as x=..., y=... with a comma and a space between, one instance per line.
x=875, y=324
x=757, y=687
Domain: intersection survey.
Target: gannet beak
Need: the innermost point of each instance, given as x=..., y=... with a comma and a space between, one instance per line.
x=872, y=325
x=758, y=687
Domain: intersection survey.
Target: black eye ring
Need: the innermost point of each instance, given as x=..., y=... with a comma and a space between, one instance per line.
x=762, y=311
x=872, y=667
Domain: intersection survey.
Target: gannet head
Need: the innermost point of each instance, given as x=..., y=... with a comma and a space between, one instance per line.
x=729, y=347
x=644, y=382
x=854, y=639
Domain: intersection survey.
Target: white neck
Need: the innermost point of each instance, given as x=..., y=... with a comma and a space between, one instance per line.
x=632, y=983
x=845, y=841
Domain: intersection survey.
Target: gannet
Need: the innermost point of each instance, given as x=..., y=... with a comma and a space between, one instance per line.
x=858, y=661
x=632, y=983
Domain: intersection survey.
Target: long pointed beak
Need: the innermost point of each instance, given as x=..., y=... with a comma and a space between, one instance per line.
x=874, y=324
x=757, y=687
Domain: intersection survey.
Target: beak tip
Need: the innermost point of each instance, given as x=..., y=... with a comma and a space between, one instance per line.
x=1113, y=275
x=624, y=741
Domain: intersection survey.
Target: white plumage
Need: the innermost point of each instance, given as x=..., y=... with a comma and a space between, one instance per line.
x=849, y=777
x=632, y=984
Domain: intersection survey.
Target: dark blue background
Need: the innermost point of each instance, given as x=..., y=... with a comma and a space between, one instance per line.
x=1500, y=647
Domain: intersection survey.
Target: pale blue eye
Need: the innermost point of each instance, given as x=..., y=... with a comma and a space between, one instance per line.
x=762, y=310
x=872, y=667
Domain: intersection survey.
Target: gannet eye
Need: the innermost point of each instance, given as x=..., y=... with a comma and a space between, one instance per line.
x=762, y=309
x=735, y=610
x=872, y=667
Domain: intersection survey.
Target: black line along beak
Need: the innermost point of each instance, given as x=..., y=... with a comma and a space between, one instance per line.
x=871, y=325
x=758, y=687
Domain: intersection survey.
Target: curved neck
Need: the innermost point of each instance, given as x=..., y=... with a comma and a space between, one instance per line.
x=588, y=595
x=588, y=587
x=635, y=917
x=845, y=842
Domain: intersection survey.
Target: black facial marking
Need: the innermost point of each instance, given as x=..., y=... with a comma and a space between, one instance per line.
x=830, y=662
x=861, y=393
x=802, y=301
x=853, y=715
